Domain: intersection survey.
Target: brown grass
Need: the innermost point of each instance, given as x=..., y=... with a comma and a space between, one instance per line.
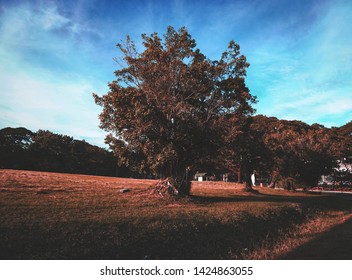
x=66, y=216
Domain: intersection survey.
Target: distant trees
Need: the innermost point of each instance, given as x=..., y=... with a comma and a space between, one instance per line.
x=167, y=110
x=14, y=148
x=343, y=147
x=46, y=151
x=294, y=153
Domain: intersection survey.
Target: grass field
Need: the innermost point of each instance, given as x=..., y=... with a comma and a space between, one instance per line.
x=66, y=216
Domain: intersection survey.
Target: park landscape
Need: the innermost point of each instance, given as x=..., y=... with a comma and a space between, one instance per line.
x=276, y=187
x=47, y=215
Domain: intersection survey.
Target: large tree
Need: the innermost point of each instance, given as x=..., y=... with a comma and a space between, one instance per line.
x=166, y=109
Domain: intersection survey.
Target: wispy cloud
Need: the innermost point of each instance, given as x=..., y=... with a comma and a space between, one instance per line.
x=42, y=82
x=64, y=106
x=31, y=23
x=308, y=79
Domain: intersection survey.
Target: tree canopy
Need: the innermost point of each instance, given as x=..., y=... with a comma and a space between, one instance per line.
x=167, y=107
x=295, y=152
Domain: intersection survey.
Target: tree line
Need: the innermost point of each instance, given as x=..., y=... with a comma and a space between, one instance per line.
x=43, y=150
x=282, y=153
x=293, y=153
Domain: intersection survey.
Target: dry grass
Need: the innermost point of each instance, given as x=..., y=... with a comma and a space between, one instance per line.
x=66, y=216
x=291, y=244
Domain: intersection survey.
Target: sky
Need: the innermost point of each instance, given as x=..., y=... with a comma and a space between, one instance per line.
x=55, y=54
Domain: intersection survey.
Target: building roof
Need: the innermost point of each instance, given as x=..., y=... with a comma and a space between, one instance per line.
x=199, y=174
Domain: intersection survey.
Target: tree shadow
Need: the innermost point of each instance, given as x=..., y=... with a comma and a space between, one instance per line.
x=319, y=201
x=334, y=244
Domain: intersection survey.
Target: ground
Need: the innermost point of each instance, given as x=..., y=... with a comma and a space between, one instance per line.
x=66, y=216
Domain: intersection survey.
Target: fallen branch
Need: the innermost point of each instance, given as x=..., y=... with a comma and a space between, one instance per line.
x=164, y=187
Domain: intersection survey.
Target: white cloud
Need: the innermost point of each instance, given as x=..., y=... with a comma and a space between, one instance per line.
x=310, y=81
x=310, y=106
x=50, y=19
x=28, y=22
x=65, y=106
x=42, y=29
x=39, y=88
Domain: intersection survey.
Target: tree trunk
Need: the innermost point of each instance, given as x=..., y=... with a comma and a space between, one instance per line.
x=180, y=179
x=246, y=174
x=183, y=184
x=274, y=179
x=248, y=183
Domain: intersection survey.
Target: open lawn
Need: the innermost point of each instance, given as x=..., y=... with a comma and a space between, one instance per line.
x=67, y=216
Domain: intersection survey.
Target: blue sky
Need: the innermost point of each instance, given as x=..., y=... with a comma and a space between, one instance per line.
x=54, y=54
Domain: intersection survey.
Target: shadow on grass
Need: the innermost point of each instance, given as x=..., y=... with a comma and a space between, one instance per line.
x=199, y=237
x=185, y=236
x=318, y=201
x=335, y=244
